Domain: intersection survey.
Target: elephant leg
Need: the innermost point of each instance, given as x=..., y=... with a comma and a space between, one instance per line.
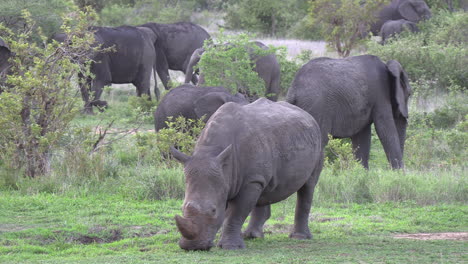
x=143, y=82
x=361, y=145
x=258, y=217
x=389, y=137
x=98, y=88
x=85, y=86
x=236, y=213
x=162, y=68
x=304, y=203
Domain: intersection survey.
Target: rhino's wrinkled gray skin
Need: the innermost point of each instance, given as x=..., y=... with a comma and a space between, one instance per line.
x=193, y=102
x=248, y=157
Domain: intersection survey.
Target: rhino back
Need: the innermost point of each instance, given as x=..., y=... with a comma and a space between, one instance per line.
x=275, y=144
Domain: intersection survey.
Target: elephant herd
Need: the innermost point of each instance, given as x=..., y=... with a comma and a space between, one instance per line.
x=253, y=154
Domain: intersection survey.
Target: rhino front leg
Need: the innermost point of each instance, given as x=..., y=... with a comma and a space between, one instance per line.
x=258, y=218
x=237, y=211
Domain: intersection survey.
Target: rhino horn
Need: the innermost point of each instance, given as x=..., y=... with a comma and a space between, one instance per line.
x=186, y=227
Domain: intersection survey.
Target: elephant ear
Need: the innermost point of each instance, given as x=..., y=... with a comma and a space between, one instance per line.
x=408, y=11
x=209, y=103
x=401, y=87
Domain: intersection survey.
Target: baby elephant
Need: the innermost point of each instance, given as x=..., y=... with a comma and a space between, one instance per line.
x=246, y=158
x=394, y=27
x=192, y=102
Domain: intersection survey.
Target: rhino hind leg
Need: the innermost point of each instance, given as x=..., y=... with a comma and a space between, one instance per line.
x=303, y=205
x=258, y=218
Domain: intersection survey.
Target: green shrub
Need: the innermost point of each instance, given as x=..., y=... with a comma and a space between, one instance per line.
x=264, y=16
x=180, y=132
x=438, y=53
x=144, y=11
x=289, y=67
x=339, y=155
x=39, y=95
x=227, y=63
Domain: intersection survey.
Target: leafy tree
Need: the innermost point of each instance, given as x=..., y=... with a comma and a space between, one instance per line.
x=45, y=13
x=450, y=5
x=270, y=17
x=40, y=97
x=227, y=63
x=344, y=21
x=143, y=11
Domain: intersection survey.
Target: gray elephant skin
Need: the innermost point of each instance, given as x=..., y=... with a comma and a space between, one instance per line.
x=192, y=102
x=346, y=96
x=394, y=27
x=5, y=54
x=267, y=68
x=411, y=10
x=131, y=61
x=174, y=46
x=246, y=158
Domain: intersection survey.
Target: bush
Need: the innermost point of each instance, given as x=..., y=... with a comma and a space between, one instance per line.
x=438, y=53
x=267, y=17
x=144, y=11
x=339, y=155
x=39, y=99
x=46, y=14
x=227, y=62
x=289, y=67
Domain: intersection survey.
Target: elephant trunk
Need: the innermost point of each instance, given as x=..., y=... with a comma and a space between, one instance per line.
x=194, y=59
x=401, y=123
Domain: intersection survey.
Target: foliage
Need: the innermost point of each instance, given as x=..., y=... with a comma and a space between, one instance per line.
x=45, y=13
x=289, y=67
x=265, y=16
x=343, y=22
x=144, y=11
x=450, y=5
x=438, y=53
x=143, y=105
x=227, y=62
x=305, y=29
x=444, y=134
x=39, y=99
x=181, y=133
x=339, y=155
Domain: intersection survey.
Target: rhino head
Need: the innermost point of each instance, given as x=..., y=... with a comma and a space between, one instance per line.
x=206, y=195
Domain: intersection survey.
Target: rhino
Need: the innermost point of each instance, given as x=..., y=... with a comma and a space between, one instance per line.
x=246, y=158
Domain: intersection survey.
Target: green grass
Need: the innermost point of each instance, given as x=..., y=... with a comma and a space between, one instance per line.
x=114, y=229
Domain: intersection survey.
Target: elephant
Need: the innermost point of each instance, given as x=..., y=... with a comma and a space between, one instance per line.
x=174, y=45
x=192, y=102
x=346, y=96
x=394, y=27
x=247, y=158
x=5, y=54
x=411, y=10
x=267, y=68
x=131, y=61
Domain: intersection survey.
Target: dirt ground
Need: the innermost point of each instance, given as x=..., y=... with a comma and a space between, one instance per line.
x=460, y=236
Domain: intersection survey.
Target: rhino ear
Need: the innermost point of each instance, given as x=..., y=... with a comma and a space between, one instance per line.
x=225, y=153
x=209, y=103
x=402, y=88
x=183, y=158
x=408, y=11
